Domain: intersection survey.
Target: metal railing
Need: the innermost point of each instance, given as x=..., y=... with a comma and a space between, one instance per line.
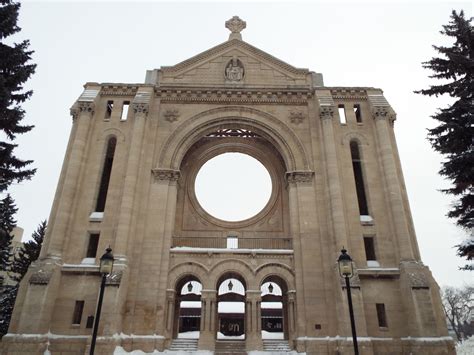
x=243, y=243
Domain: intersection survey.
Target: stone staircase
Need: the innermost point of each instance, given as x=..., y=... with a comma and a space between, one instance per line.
x=276, y=345
x=189, y=345
x=230, y=347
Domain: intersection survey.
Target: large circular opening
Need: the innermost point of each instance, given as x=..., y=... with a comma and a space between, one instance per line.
x=233, y=186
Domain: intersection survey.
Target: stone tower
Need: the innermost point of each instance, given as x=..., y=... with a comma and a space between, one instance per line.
x=128, y=182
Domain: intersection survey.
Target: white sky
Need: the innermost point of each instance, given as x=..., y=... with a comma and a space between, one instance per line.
x=352, y=44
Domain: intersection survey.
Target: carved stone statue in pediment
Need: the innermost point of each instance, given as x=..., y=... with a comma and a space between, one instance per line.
x=234, y=71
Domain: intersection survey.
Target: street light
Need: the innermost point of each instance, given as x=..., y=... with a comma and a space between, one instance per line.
x=106, y=265
x=346, y=270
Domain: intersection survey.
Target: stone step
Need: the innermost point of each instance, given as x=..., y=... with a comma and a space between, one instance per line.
x=230, y=347
x=276, y=345
x=184, y=345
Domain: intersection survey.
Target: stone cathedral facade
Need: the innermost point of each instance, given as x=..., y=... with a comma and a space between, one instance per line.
x=128, y=182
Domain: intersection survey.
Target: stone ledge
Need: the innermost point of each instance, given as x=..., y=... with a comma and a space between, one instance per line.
x=377, y=272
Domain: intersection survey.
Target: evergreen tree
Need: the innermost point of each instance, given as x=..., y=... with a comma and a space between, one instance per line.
x=7, y=302
x=14, y=72
x=29, y=252
x=454, y=136
x=7, y=223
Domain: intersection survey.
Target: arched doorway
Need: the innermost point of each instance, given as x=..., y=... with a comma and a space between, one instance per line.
x=188, y=308
x=231, y=307
x=274, y=310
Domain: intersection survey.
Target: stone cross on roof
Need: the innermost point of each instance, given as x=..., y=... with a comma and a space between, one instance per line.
x=235, y=25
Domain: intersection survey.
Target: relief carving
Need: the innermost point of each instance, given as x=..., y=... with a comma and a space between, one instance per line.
x=234, y=70
x=326, y=112
x=296, y=117
x=299, y=176
x=166, y=174
x=171, y=115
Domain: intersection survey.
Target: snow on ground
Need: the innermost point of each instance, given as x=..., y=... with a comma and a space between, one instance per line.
x=271, y=335
x=189, y=335
x=229, y=337
x=466, y=347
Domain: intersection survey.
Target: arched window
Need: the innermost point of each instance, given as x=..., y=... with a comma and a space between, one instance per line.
x=359, y=179
x=106, y=170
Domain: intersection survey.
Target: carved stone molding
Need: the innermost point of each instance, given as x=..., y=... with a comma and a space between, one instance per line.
x=41, y=277
x=299, y=176
x=349, y=93
x=289, y=97
x=166, y=174
x=118, y=90
x=140, y=108
x=86, y=107
x=296, y=117
x=171, y=115
x=326, y=112
x=418, y=280
x=354, y=281
x=383, y=112
x=114, y=278
x=74, y=112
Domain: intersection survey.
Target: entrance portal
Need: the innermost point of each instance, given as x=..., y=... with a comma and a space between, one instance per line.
x=274, y=309
x=231, y=307
x=188, y=308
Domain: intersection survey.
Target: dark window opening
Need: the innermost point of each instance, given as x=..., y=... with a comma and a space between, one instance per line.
x=342, y=114
x=77, y=315
x=126, y=105
x=369, y=248
x=109, y=108
x=357, y=113
x=359, y=179
x=104, y=181
x=92, y=245
x=90, y=322
x=381, y=315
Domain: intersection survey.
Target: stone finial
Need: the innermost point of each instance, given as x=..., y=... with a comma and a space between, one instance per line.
x=235, y=25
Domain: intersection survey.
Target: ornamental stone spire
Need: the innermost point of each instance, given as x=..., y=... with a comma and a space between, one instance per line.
x=235, y=25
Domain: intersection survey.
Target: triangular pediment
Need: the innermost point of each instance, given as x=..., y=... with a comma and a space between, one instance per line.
x=258, y=67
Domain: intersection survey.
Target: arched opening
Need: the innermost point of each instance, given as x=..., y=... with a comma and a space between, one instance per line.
x=231, y=307
x=274, y=310
x=188, y=308
x=106, y=172
x=359, y=178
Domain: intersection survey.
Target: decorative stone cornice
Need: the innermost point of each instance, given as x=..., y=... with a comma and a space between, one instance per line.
x=349, y=93
x=296, y=117
x=326, y=112
x=74, y=112
x=299, y=176
x=119, y=90
x=166, y=174
x=288, y=97
x=140, y=108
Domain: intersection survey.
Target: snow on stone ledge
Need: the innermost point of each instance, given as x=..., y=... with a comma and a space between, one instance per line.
x=121, y=351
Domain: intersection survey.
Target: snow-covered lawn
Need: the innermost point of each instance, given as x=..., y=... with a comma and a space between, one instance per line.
x=466, y=347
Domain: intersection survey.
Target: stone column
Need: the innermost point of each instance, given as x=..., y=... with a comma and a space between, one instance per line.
x=334, y=182
x=82, y=114
x=170, y=313
x=207, y=334
x=382, y=119
x=131, y=176
x=253, y=318
x=291, y=314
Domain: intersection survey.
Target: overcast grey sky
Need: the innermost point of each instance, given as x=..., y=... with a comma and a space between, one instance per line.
x=352, y=44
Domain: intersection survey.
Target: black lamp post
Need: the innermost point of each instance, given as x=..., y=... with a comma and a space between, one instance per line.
x=106, y=265
x=346, y=270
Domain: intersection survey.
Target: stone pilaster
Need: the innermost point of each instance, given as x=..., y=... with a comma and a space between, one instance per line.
x=383, y=116
x=82, y=113
x=170, y=310
x=253, y=321
x=126, y=208
x=291, y=314
x=326, y=114
x=207, y=336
